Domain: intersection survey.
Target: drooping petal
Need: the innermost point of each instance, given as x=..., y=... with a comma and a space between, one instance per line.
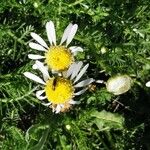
x=76, y=70
x=51, y=32
x=43, y=69
x=66, y=33
x=84, y=82
x=80, y=92
x=74, y=102
x=39, y=39
x=35, y=57
x=75, y=49
x=34, y=77
x=81, y=73
x=46, y=104
x=71, y=34
x=39, y=93
x=37, y=46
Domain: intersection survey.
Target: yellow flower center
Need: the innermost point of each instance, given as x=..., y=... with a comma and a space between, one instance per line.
x=59, y=90
x=58, y=58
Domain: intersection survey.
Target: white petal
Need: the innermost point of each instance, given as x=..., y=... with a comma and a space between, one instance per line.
x=80, y=92
x=148, y=84
x=34, y=66
x=72, y=34
x=66, y=33
x=46, y=104
x=99, y=81
x=35, y=57
x=39, y=93
x=51, y=32
x=43, y=69
x=33, y=77
x=81, y=73
x=39, y=39
x=37, y=46
x=70, y=70
x=76, y=70
x=57, y=109
x=84, y=82
x=74, y=102
x=76, y=49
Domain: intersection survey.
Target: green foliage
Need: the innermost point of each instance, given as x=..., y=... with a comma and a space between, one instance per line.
x=102, y=121
x=106, y=120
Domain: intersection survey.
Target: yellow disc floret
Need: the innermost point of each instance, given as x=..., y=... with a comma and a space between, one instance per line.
x=58, y=58
x=59, y=90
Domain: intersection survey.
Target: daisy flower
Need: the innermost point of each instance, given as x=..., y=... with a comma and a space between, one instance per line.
x=57, y=57
x=60, y=90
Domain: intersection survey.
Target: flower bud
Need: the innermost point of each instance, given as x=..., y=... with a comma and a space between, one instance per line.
x=148, y=84
x=103, y=50
x=68, y=127
x=118, y=84
x=35, y=4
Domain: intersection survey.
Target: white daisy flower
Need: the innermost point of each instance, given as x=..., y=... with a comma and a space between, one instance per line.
x=57, y=57
x=60, y=90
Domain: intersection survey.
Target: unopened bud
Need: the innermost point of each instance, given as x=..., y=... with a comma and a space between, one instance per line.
x=148, y=84
x=68, y=127
x=119, y=84
x=35, y=4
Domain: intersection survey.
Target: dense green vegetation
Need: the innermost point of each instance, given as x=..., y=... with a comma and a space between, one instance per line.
x=102, y=121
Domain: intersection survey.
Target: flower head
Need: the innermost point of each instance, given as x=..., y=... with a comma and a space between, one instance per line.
x=57, y=57
x=119, y=84
x=60, y=90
